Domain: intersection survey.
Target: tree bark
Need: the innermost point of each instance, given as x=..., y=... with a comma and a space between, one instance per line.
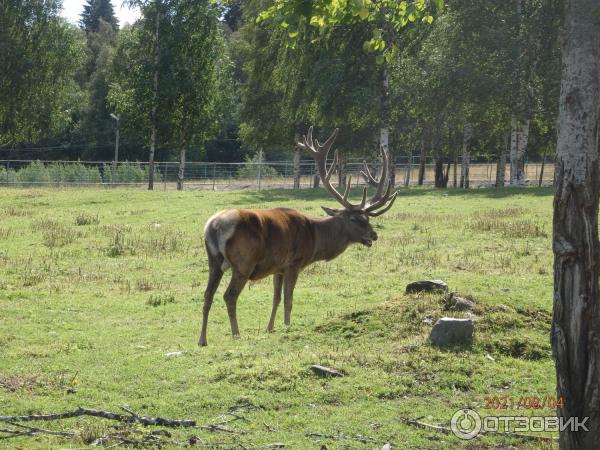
x=384, y=131
x=422, y=163
x=436, y=149
x=181, y=171
x=154, y=103
x=408, y=169
x=542, y=169
x=465, y=158
x=454, y=170
x=296, y=163
x=341, y=168
x=316, y=178
x=576, y=318
x=519, y=136
x=501, y=165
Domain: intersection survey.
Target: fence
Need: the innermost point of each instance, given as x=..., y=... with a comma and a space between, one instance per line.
x=218, y=176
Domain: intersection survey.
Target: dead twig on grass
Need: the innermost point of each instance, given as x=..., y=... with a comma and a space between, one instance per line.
x=27, y=430
x=445, y=430
x=132, y=417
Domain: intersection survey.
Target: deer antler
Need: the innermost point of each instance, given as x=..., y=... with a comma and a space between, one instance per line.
x=380, y=198
x=320, y=152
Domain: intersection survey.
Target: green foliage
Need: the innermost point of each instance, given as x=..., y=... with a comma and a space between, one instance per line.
x=38, y=172
x=321, y=16
x=194, y=90
x=40, y=55
x=95, y=12
x=251, y=168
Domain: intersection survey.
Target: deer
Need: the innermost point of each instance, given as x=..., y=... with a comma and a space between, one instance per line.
x=257, y=243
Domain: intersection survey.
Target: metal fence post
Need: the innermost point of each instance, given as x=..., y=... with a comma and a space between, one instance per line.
x=214, y=175
x=165, y=176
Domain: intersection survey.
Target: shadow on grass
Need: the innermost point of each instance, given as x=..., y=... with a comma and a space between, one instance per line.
x=273, y=195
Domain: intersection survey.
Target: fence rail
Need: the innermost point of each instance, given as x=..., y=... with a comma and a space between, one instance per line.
x=217, y=176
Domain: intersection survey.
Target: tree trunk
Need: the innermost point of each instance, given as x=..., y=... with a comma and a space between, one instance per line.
x=181, y=171
x=519, y=136
x=296, y=163
x=465, y=158
x=341, y=169
x=576, y=318
x=542, y=169
x=454, y=170
x=447, y=174
x=384, y=131
x=316, y=178
x=436, y=150
x=422, y=164
x=154, y=103
x=501, y=165
x=408, y=170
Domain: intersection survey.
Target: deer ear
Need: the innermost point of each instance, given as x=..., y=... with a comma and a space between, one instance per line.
x=330, y=211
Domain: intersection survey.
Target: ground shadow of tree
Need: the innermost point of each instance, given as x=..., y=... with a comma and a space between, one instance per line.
x=274, y=195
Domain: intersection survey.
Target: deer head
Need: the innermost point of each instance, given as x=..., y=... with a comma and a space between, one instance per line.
x=355, y=217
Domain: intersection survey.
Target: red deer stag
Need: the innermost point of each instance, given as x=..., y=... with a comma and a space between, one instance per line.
x=281, y=242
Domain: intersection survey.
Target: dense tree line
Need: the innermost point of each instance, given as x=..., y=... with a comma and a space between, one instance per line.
x=219, y=80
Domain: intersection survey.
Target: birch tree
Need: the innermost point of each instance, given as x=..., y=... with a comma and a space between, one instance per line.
x=576, y=318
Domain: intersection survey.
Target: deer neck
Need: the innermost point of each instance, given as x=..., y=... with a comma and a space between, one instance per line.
x=330, y=238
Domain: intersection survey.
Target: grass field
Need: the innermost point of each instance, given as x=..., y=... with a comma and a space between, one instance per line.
x=97, y=286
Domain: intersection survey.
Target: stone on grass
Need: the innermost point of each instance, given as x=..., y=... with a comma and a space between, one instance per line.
x=173, y=354
x=449, y=330
x=323, y=371
x=426, y=286
x=459, y=303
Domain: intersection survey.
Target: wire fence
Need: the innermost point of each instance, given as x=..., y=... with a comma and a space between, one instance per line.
x=247, y=175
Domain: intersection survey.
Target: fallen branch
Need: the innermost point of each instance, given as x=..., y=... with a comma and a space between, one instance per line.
x=42, y=430
x=445, y=430
x=132, y=417
x=28, y=431
x=217, y=427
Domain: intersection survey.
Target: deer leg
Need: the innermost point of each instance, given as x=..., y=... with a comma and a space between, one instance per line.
x=289, y=282
x=214, y=278
x=277, y=285
x=237, y=283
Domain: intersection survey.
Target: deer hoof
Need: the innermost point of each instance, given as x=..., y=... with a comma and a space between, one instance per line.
x=202, y=343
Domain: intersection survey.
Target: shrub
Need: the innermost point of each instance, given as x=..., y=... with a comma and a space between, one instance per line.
x=129, y=172
x=7, y=175
x=250, y=169
x=35, y=172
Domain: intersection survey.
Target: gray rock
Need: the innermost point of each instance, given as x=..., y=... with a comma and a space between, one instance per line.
x=459, y=303
x=426, y=286
x=449, y=330
x=323, y=371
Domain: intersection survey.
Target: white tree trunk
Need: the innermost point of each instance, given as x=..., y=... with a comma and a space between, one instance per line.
x=576, y=319
x=501, y=165
x=465, y=158
x=519, y=136
x=181, y=171
x=154, y=102
x=384, y=131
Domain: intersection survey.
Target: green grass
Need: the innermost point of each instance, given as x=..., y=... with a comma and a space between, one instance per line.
x=96, y=286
